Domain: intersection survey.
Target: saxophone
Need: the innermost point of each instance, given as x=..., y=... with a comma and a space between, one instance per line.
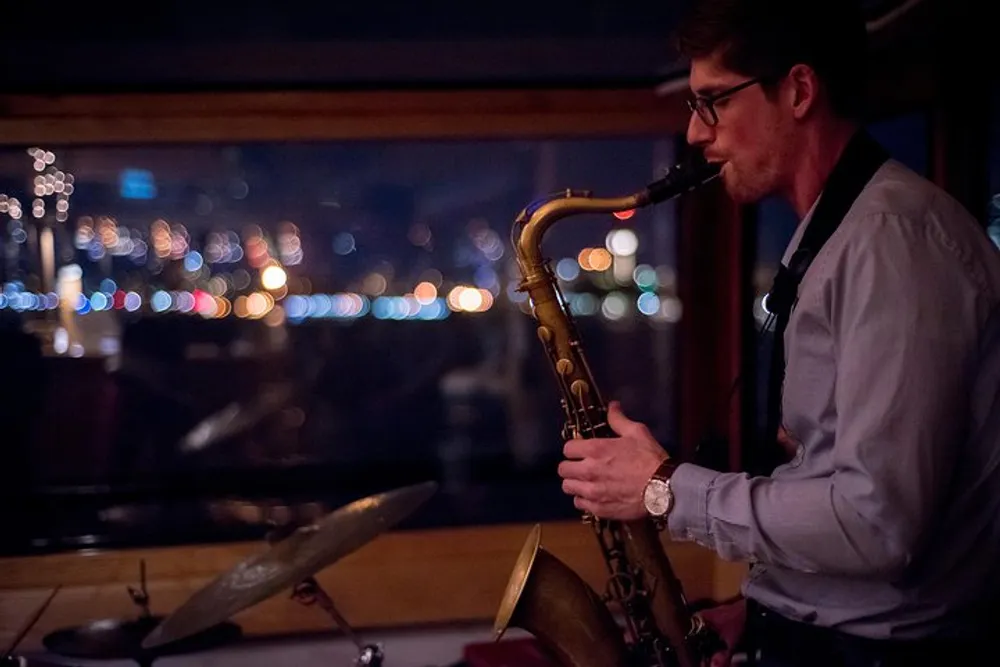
x=545, y=596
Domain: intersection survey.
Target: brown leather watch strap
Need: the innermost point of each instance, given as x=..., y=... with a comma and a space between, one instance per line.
x=666, y=469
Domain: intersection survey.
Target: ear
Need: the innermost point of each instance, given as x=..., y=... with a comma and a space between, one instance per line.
x=803, y=90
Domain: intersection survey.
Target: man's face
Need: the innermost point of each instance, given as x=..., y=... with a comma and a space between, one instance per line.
x=751, y=138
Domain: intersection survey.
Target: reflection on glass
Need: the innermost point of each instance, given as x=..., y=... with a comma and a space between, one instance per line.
x=214, y=335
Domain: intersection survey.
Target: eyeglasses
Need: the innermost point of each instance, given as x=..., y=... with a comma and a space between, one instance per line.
x=704, y=105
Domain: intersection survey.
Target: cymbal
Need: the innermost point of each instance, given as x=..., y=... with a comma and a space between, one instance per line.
x=111, y=639
x=236, y=419
x=301, y=555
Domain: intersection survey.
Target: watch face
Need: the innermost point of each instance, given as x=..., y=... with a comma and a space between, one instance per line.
x=658, y=498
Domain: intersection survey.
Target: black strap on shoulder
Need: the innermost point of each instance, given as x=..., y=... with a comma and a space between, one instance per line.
x=861, y=158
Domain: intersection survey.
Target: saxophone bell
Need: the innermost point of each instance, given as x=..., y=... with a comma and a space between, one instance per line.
x=548, y=599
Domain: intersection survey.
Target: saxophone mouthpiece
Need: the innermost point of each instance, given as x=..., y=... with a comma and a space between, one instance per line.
x=682, y=178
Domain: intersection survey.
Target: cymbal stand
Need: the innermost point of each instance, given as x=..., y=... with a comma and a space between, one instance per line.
x=309, y=592
x=8, y=657
x=140, y=596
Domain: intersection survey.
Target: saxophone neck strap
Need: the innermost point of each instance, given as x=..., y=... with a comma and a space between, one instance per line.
x=861, y=158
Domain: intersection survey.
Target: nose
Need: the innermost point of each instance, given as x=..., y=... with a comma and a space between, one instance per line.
x=698, y=133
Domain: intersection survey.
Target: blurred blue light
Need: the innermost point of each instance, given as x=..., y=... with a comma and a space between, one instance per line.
x=136, y=184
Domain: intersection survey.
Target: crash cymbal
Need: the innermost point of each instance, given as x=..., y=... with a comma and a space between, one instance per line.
x=112, y=639
x=301, y=555
x=236, y=419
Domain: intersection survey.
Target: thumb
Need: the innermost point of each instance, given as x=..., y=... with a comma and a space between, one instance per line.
x=618, y=422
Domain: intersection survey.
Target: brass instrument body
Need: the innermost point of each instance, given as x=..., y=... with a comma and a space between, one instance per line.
x=544, y=596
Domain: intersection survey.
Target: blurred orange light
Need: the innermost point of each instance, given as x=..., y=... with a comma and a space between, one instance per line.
x=600, y=259
x=425, y=292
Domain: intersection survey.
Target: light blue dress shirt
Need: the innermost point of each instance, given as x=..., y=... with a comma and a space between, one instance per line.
x=887, y=521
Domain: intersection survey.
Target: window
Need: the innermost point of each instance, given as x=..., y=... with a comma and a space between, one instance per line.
x=201, y=332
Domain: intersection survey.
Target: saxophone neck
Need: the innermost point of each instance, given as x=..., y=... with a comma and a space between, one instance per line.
x=536, y=218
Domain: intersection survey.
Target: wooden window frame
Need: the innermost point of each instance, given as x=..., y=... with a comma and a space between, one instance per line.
x=322, y=116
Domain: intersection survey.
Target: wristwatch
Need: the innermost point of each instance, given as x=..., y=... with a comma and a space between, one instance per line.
x=657, y=497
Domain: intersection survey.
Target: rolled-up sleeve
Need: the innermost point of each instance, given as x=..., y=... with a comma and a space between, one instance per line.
x=688, y=520
x=902, y=314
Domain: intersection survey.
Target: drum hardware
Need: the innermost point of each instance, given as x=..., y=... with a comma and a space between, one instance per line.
x=294, y=556
x=112, y=639
x=308, y=592
x=140, y=596
x=8, y=658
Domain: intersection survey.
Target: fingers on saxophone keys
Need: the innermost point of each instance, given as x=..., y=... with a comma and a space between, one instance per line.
x=585, y=505
x=575, y=487
x=583, y=470
x=580, y=448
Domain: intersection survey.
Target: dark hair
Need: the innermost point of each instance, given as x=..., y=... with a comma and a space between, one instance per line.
x=765, y=38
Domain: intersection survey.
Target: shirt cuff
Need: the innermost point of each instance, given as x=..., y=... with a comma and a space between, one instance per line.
x=688, y=519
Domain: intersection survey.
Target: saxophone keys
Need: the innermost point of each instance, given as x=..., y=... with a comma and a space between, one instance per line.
x=545, y=334
x=621, y=587
x=580, y=389
x=564, y=367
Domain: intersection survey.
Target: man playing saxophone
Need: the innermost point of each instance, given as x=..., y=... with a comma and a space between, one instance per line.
x=877, y=542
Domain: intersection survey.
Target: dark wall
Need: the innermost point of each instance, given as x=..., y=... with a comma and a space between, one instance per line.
x=259, y=43
x=211, y=44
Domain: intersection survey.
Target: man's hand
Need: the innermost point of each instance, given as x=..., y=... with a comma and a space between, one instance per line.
x=607, y=476
x=729, y=621
x=789, y=444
